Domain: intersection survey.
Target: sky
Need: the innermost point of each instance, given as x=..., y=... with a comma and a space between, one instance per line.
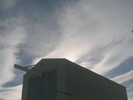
x=96, y=34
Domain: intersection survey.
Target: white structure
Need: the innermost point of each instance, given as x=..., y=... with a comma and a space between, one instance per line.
x=60, y=79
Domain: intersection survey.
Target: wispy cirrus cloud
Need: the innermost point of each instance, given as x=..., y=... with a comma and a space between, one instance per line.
x=14, y=93
x=124, y=77
x=88, y=30
x=12, y=34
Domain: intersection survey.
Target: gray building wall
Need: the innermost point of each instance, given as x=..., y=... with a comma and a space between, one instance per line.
x=84, y=84
x=42, y=88
x=65, y=80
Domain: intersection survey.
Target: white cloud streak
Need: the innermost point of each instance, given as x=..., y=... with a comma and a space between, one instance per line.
x=12, y=34
x=12, y=93
x=124, y=77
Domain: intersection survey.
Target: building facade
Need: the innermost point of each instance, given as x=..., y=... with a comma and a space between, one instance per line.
x=61, y=79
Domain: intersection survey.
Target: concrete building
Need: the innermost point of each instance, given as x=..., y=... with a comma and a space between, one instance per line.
x=60, y=79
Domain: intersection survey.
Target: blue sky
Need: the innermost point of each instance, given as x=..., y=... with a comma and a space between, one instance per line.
x=93, y=33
